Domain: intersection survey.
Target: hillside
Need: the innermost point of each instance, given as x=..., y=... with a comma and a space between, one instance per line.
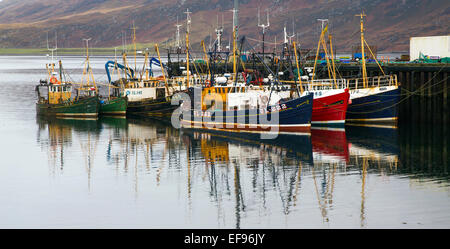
x=389, y=23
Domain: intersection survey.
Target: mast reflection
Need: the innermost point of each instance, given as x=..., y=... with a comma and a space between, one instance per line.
x=239, y=173
x=61, y=133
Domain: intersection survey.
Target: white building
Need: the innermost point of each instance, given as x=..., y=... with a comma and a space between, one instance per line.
x=436, y=46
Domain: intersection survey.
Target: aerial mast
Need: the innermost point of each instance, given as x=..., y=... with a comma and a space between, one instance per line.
x=219, y=33
x=178, y=42
x=52, y=50
x=293, y=32
x=264, y=27
x=285, y=35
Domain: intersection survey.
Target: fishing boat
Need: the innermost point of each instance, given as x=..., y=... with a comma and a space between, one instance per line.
x=146, y=95
x=330, y=102
x=373, y=99
x=375, y=103
x=244, y=109
x=55, y=97
x=249, y=115
x=331, y=96
x=115, y=104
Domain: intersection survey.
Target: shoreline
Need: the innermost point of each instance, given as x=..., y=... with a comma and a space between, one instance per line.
x=111, y=52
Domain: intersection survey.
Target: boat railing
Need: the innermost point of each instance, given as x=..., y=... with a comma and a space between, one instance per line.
x=378, y=81
x=181, y=81
x=324, y=84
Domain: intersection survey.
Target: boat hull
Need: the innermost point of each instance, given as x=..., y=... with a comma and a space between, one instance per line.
x=379, y=107
x=116, y=106
x=83, y=108
x=294, y=118
x=155, y=107
x=331, y=110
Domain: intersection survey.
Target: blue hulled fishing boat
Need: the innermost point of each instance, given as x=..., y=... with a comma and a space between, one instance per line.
x=373, y=99
x=280, y=116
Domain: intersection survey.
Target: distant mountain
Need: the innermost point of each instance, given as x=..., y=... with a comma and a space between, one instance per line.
x=389, y=23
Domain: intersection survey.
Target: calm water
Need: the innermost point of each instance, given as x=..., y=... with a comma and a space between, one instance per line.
x=117, y=173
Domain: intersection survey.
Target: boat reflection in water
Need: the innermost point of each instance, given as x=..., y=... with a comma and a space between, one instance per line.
x=379, y=145
x=61, y=132
x=225, y=181
x=330, y=145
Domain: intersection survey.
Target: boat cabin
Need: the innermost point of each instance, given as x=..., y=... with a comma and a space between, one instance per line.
x=59, y=93
x=243, y=97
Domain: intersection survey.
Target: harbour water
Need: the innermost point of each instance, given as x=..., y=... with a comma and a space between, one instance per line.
x=142, y=173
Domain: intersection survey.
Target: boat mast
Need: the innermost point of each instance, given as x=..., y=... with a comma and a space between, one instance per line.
x=52, y=50
x=363, y=55
x=162, y=68
x=188, y=26
x=207, y=61
x=219, y=33
x=322, y=34
x=293, y=32
x=235, y=35
x=236, y=17
x=88, y=68
x=298, y=68
x=178, y=42
x=330, y=37
x=135, y=49
x=264, y=27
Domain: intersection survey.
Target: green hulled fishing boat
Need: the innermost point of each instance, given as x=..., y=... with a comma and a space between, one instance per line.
x=55, y=97
x=82, y=108
x=114, y=106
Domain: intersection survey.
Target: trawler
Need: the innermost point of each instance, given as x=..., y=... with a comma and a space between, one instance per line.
x=360, y=100
x=55, y=97
x=146, y=95
x=331, y=97
x=240, y=108
x=373, y=99
x=114, y=104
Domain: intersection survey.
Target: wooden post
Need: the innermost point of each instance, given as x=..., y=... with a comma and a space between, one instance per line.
x=445, y=99
x=445, y=126
x=409, y=100
x=402, y=105
x=429, y=101
x=413, y=111
x=437, y=106
x=422, y=103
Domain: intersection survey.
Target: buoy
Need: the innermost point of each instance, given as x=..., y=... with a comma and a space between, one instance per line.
x=54, y=80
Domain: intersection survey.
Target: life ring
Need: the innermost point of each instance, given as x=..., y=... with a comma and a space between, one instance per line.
x=208, y=83
x=54, y=80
